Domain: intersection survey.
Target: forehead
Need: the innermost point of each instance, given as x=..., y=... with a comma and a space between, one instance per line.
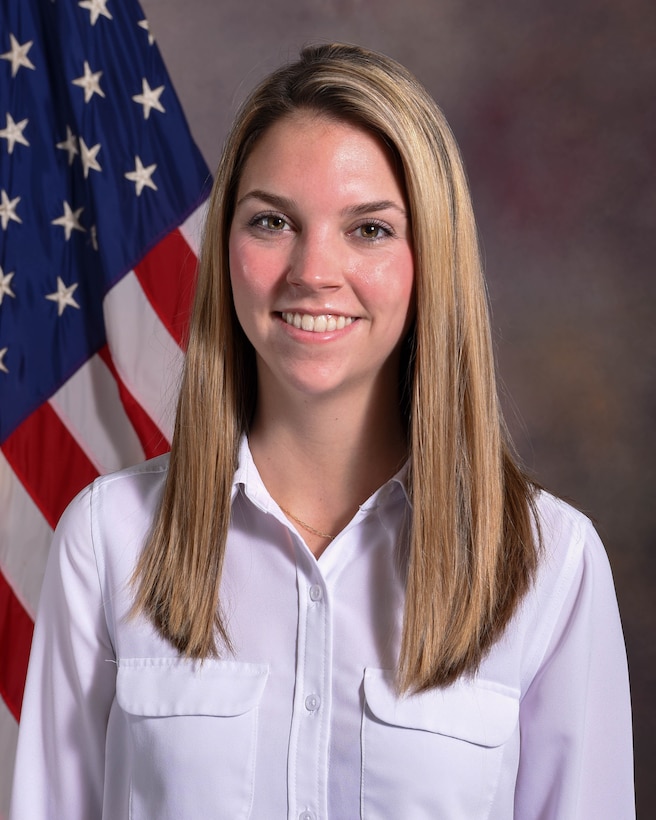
x=308, y=144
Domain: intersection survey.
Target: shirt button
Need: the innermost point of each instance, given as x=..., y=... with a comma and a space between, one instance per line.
x=306, y=815
x=312, y=703
x=315, y=593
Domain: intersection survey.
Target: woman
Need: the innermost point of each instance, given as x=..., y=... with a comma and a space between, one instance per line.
x=340, y=596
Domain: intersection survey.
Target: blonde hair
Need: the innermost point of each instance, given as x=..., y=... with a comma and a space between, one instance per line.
x=471, y=551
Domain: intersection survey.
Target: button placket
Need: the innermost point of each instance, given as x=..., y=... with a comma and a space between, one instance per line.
x=310, y=722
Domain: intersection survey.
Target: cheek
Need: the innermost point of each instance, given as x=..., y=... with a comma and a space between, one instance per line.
x=406, y=277
x=245, y=275
x=400, y=293
x=394, y=286
x=409, y=288
x=238, y=262
x=241, y=281
x=255, y=271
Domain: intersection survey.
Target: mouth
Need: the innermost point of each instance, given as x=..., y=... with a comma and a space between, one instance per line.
x=317, y=324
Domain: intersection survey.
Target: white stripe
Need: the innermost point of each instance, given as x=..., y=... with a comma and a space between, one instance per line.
x=147, y=357
x=193, y=226
x=8, y=740
x=90, y=407
x=25, y=537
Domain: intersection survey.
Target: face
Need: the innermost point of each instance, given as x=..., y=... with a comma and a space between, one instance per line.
x=321, y=261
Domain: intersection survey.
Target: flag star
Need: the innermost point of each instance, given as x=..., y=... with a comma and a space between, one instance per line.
x=69, y=220
x=149, y=98
x=18, y=55
x=3, y=366
x=8, y=209
x=141, y=176
x=89, y=155
x=145, y=25
x=5, y=285
x=63, y=296
x=69, y=144
x=94, y=237
x=90, y=82
x=95, y=9
x=13, y=133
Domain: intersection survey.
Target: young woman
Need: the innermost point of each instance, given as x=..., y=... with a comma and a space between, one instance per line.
x=340, y=596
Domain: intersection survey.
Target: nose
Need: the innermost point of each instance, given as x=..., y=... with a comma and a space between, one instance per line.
x=316, y=262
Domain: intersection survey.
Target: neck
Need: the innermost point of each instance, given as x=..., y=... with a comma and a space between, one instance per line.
x=320, y=458
x=336, y=435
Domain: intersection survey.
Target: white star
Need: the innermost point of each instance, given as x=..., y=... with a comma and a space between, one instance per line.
x=90, y=82
x=89, y=155
x=63, y=296
x=69, y=220
x=18, y=55
x=8, y=210
x=141, y=176
x=144, y=25
x=94, y=237
x=3, y=366
x=13, y=132
x=69, y=144
x=95, y=9
x=5, y=285
x=149, y=98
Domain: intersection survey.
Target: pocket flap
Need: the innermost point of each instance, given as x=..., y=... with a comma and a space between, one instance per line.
x=481, y=712
x=161, y=687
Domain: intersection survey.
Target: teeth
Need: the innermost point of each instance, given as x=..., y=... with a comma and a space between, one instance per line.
x=317, y=324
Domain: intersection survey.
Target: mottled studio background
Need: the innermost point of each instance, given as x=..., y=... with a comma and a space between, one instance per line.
x=554, y=106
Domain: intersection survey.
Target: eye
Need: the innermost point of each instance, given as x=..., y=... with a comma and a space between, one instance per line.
x=373, y=230
x=270, y=222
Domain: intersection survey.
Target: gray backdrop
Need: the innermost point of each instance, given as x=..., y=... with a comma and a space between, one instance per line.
x=553, y=104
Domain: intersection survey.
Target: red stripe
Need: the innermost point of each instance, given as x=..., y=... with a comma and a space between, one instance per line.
x=151, y=437
x=168, y=277
x=48, y=461
x=15, y=640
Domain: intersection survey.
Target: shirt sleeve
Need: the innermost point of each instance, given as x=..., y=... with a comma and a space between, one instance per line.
x=576, y=757
x=70, y=684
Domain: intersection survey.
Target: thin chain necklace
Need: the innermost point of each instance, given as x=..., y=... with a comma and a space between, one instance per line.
x=307, y=526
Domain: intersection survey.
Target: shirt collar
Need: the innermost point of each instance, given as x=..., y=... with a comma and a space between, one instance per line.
x=248, y=479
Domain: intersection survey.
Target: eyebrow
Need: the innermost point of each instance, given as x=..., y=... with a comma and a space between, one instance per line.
x=285, y=204
x=281, y=202
x=371, y=207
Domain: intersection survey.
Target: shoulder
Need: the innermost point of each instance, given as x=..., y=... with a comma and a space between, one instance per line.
x=558, y=518
x=115, y=508
x=568, y=539
x=147, y=473
x=117, y=487
x=573, y=583
x=118, y=492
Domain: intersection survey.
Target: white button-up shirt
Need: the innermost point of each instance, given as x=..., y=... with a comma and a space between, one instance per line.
x=303, y=721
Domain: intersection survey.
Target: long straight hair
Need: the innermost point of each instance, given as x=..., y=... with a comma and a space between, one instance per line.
x=472, y=547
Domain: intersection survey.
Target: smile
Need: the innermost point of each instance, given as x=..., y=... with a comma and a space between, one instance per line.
x=317, y=324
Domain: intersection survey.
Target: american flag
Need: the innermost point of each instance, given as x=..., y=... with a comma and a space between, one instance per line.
x=101, y=191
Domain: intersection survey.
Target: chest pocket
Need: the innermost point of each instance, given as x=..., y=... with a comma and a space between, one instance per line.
x=436, y=754
x=193, y=728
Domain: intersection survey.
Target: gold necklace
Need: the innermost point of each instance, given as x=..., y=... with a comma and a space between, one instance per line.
x=307, y=526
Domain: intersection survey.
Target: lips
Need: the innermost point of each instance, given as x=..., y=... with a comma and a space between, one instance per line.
x=317, y=324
